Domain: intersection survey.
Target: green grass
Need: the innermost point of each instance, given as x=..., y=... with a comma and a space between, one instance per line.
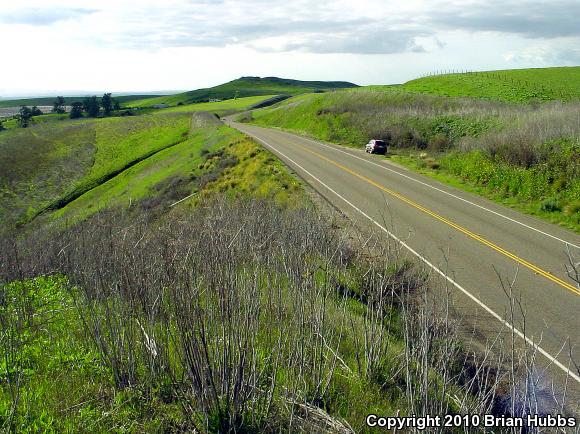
x=39, y=164
x=64, y=384
x=243, y=87
x=122, y=140
x=518, y=85
x=214, y=159
x=141, y=181
x=47, y=165
x=220, y=107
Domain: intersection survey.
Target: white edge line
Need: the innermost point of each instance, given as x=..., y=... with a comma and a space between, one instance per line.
x=438, y=189
x=434, y=268
x=181, y=200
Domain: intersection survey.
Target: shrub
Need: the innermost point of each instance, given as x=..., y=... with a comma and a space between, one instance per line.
x=550, y=205
x=245, y=117
x=439, y=142
x=76, y=110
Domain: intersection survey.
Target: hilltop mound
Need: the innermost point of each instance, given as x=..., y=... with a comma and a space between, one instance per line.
x=245, y=86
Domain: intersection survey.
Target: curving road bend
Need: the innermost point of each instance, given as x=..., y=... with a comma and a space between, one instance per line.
x=466, y=239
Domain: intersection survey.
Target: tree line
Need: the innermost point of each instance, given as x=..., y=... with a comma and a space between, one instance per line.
x=91, y=106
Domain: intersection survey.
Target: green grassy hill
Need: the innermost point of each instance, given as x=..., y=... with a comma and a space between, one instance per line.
x=56, y=162
x=243, y=87
x=49, y=100
x=517, y=85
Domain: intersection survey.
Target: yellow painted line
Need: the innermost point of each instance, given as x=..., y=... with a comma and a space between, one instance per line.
x=448, y=222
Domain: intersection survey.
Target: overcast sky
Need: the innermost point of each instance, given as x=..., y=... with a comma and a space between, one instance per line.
x=61, y=46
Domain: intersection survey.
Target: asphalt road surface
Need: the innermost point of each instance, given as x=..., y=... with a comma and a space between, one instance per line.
x=468, y=241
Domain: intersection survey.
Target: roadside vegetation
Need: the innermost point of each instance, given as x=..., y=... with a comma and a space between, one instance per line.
x=526, y=154
x=238, y=315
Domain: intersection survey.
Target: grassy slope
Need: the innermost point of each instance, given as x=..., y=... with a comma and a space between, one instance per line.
x=218, y=107
x=550, y=189
x=39, y=164
x=69, y=167
x=49, y=100
x=518, y=85
x=243, y=87
x=195, y=165
x=54, y=161
x=354, y=116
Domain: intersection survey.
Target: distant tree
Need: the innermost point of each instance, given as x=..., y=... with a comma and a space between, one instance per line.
x=107, y=103
x=91, y=106
x=2, y=128
x=24, y=116
x=36, y=111
x=116, y=104
x=76, y=110
x=58, y=105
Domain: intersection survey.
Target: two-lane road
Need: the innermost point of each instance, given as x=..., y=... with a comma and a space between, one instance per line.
x=464, y=238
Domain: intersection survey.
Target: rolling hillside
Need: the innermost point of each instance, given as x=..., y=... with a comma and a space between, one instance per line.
x=243, y=87
x=517, y=85
x=50, y=164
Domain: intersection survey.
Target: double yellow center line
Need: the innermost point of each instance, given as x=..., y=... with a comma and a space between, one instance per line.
x=448, y=222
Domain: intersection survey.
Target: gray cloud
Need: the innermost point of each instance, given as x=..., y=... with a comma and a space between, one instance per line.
x=366, y=42
x=549, y=54
x=302, y=25
x=530, y=18
x=43, y=17
x=323, y=26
